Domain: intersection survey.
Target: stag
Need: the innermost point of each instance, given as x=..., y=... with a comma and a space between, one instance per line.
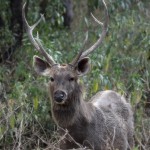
x=103, y=123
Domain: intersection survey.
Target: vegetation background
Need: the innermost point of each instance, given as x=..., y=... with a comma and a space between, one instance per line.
x=122, y=63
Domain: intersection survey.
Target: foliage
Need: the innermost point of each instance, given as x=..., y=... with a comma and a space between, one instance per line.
x=121, y=63
x=53, y=12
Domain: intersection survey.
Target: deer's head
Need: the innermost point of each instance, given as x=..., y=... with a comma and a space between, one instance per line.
x=63, y=78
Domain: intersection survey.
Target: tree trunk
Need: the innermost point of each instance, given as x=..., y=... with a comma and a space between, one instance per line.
x=43, y=4
x=1, y=22
x=16, y=27
x=68, y=15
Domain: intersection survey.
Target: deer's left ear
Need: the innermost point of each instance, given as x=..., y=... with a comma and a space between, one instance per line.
x=83, y=66
x=41, y=66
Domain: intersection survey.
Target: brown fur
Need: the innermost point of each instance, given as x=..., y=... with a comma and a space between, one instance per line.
x=103, y=123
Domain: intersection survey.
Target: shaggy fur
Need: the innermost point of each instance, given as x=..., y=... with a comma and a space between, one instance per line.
x=103, y=123
x=97, y=125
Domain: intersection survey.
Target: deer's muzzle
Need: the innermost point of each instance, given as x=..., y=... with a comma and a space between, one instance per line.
x=60, y=97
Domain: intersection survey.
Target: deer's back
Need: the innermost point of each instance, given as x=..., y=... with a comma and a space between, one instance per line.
x=112, y=101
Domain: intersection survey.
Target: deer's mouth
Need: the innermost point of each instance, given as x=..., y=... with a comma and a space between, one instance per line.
x=60, y=102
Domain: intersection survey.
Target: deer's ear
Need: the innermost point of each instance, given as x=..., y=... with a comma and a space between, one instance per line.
x=41, y=66
x=83, y=66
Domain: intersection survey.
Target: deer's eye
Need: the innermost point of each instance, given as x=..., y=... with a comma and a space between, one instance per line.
x=71, y=79
x=51, y=79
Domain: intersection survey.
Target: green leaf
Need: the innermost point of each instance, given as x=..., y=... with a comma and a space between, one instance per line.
x=107, y=65
x=2, y=131
x=95, y=86
x=35, y=103
x=135, y=148
x=12, y=121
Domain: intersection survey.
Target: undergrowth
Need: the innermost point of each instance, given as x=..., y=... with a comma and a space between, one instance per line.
x=122, y=63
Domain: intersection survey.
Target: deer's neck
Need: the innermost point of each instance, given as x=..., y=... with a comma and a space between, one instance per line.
x=75, y=112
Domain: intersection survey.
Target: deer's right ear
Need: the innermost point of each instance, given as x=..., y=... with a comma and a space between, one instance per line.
x=83, y=66
x=41, y=66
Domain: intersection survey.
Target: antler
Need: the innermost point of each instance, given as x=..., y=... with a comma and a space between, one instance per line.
x=36, y=43
x=104, y=25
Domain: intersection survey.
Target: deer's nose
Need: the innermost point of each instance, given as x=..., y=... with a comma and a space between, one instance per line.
x=59, y=96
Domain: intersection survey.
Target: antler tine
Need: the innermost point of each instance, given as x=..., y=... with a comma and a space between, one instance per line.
x=85, y=53
x=104, y=31
x=36, y=43
x=73, y=63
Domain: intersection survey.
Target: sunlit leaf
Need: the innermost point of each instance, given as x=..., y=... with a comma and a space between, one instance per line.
x=35, y=103
x=95, y=86
x=107, y=63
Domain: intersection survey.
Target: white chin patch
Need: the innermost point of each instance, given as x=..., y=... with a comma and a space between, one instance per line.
x=60, y=103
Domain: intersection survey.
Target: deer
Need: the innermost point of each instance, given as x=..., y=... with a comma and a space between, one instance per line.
x=105, y=122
